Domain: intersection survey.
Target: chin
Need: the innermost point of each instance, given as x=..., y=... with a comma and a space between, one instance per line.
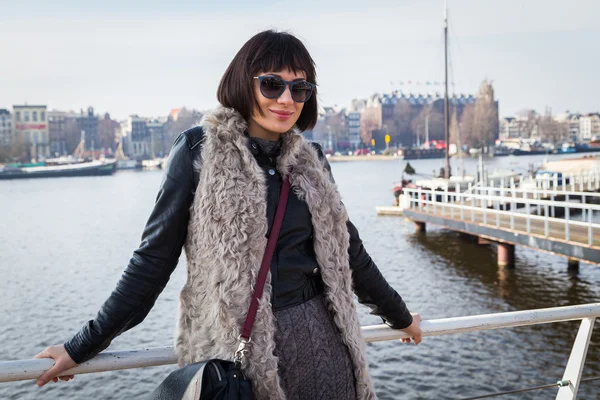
x=280, y=127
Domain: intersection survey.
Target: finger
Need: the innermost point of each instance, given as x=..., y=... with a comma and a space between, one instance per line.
x=48, y=375
x=418, y=339
x=55, y=379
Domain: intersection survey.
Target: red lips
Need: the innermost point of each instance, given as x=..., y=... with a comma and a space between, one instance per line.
x=282, y=115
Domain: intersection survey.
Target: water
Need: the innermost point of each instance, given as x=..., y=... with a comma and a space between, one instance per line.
x=65, y=242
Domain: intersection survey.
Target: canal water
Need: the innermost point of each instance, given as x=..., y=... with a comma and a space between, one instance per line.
x=65, y=242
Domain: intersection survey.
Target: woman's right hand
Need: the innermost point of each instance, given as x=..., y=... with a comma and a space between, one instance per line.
x=62, y=363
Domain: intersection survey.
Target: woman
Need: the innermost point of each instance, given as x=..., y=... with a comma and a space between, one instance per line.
x=218, y=200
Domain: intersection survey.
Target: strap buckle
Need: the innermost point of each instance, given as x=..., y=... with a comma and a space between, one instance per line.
x=241, y=351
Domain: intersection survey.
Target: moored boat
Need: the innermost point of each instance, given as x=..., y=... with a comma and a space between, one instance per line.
x=43, y=170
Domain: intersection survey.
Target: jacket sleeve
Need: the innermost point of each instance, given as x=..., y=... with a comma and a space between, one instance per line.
x=152, y=263
x=369, y=285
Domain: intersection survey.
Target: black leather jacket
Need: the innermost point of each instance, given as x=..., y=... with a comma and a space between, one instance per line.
x=295, y=271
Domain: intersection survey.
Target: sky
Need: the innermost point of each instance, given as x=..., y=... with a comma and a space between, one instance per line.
x=147, y=57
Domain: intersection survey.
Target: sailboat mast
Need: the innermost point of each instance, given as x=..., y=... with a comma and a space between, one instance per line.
x=446, y=109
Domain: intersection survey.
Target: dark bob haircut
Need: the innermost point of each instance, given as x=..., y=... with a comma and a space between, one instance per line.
x=267, y=51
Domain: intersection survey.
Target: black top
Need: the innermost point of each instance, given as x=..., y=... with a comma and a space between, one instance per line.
x=295, y=271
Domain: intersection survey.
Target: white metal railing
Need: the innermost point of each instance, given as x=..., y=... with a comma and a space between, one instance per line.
x=587, y=313
x=491, y=207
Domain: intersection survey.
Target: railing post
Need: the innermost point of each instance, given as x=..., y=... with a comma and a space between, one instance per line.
x=553, y=207
x=528, y=212
x=420, y=204
x=546, y=218
x=472, y=207
x=512, y=206
x=497, y=208
x=567, y=217
x=486, y=196
x=576, y=361
x=445, y=200
x=590, y=230
x=434, y=200
x=462, y=203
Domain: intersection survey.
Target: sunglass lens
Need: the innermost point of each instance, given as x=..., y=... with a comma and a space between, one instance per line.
x=271, y=87
x=301, y=91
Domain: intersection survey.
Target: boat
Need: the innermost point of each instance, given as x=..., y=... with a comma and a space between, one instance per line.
x=127, y=163
x=421, y=154
x=124, y=162
x=43, y=170
x=74, y=165
x=153, y=163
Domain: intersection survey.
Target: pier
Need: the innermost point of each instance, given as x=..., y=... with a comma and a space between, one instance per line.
x=555, y=215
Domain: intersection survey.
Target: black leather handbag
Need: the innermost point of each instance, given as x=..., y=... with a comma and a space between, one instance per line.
x=221, y=379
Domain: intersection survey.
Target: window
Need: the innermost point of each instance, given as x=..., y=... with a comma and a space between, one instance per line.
x=26, y=116
x=18, y=116
x=36, y=137
x=28, y=137
x=44, y=137
x=34, y=115
x=42, y=116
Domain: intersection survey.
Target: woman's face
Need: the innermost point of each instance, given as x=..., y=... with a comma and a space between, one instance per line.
x=280, y=114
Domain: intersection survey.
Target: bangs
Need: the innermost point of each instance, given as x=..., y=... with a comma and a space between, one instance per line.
x=280, y=52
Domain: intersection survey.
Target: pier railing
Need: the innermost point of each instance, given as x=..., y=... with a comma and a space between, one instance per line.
x=567, y=385
x=516, y=209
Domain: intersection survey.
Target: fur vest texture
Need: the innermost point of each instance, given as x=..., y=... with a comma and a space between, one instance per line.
x=226, y=242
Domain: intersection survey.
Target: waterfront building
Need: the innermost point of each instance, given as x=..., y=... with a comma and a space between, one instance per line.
x=31, y=125
x=6, y=128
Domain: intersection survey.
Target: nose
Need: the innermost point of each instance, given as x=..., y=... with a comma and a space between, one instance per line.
x=286, y=96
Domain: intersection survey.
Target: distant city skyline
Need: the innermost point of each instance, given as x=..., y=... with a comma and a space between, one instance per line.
x=148, y=57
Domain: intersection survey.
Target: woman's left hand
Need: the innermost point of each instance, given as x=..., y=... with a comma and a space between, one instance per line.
x=414, y=330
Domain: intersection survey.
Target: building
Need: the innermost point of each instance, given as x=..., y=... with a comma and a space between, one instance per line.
x=589, y=125
x=156, y=134
x=31, y=125
x=108, y=130
x=57, y=132
x=143, y=138
x=6, y=128
x=87, y=123
x=410, y=118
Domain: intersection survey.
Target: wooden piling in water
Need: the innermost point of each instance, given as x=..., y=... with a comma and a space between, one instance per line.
x=506, y=255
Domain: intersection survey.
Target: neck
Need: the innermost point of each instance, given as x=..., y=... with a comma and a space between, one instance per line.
x=255, y=130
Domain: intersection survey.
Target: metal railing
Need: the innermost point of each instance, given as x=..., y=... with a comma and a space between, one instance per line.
x=568, y=385
x=490, y=204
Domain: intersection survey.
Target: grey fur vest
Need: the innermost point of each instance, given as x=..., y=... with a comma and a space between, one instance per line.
x=225, y=245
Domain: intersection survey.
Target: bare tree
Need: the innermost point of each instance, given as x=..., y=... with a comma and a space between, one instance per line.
x=552, y=131
x=369, y=121
x=18, y=147
x=485, y=117
x=185, y=119
x=528, y=121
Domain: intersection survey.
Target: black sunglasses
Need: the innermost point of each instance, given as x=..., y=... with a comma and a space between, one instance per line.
x=273, y=86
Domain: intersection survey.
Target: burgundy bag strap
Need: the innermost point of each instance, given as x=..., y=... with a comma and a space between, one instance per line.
x=266, y=261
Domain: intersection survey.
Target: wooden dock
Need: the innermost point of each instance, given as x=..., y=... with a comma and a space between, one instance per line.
x=496, y=218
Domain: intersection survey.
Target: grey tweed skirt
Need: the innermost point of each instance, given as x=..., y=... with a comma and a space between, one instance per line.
x=313, y=361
